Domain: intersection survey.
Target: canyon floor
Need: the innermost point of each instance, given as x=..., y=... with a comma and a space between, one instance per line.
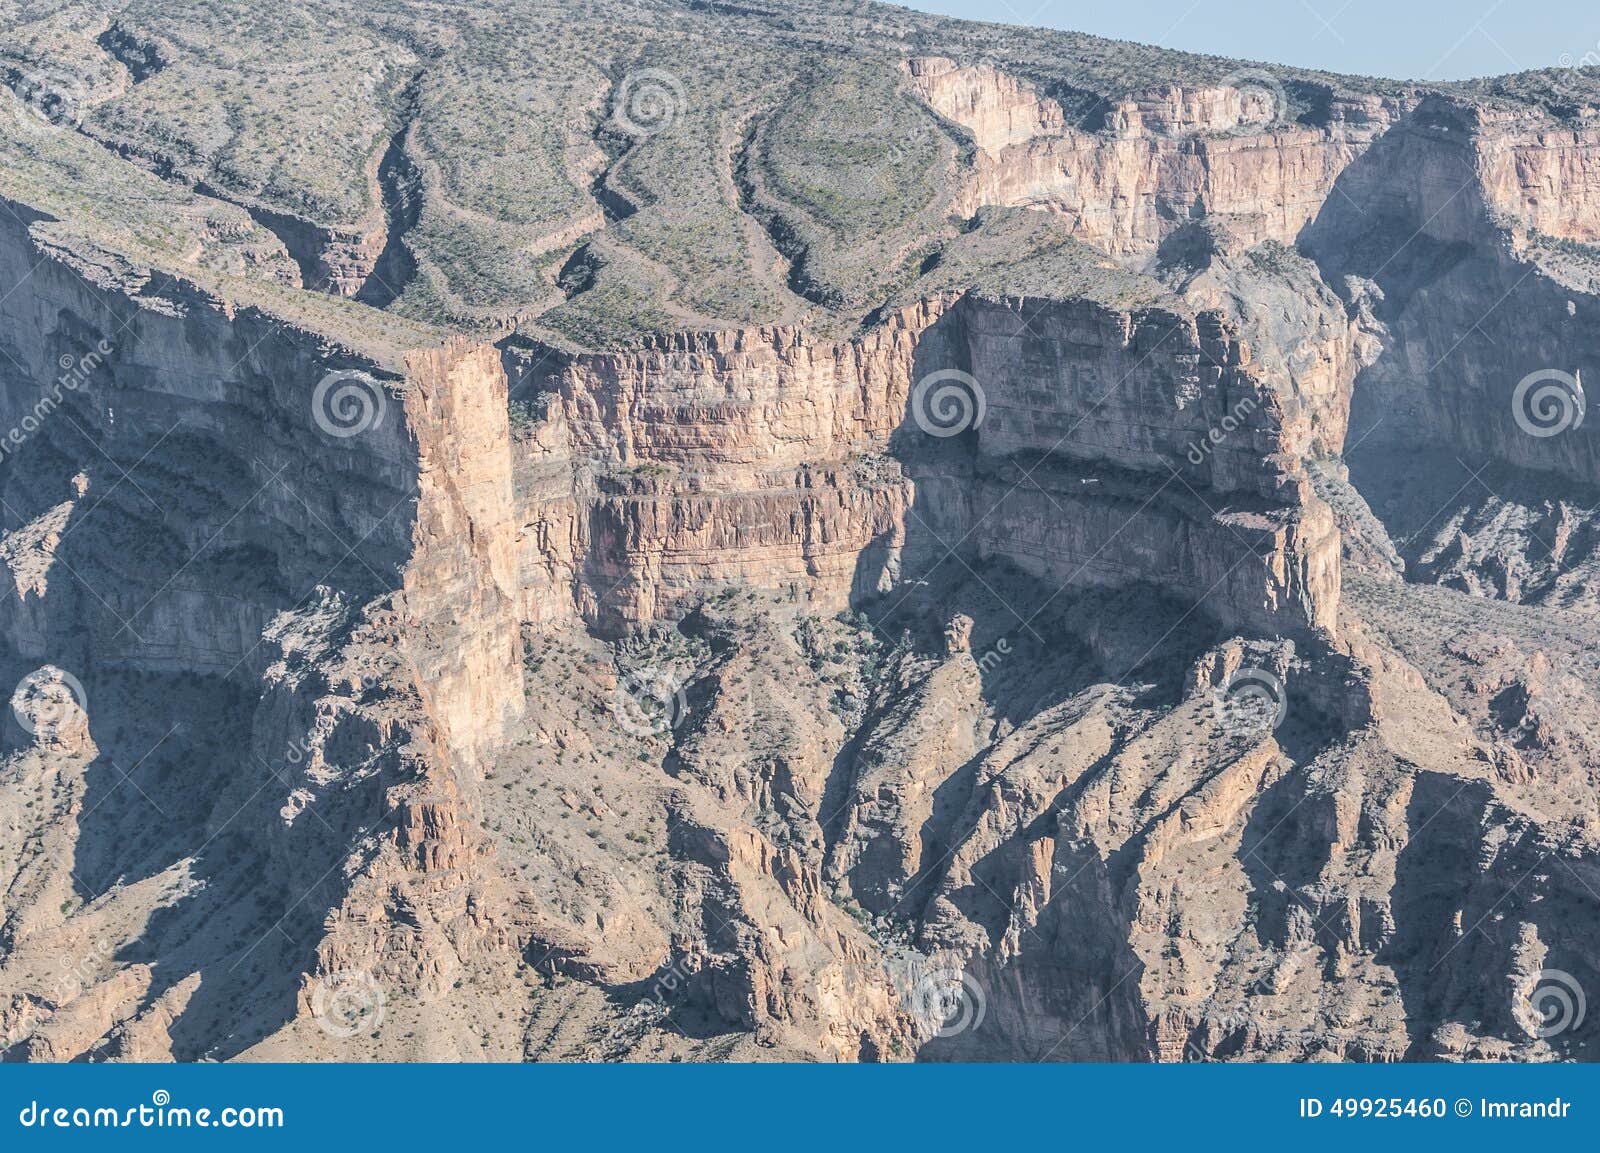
x=655, y=531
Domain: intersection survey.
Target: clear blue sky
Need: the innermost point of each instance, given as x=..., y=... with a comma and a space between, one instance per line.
x=1407, y=39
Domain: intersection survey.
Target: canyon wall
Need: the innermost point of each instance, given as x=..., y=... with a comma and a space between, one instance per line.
x=1546, y=176
x=819, y=469
x=1168, y=156
x=212, y=498
x=1434, y=240
x=1457, y=235
x=389, y=596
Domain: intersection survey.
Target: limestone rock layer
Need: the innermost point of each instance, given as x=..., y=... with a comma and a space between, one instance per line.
x=948, y=547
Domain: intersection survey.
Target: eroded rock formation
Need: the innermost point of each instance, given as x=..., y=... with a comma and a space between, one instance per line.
x=1009, y=616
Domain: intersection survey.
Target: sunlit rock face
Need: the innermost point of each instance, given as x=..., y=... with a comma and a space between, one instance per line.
x=938, y=552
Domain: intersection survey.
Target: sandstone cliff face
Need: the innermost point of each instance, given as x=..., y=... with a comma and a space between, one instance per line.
x=1476, y=301
x=728, y=458
x=221, y=387
x=1541, y=175
x=461, y=581
x=772, y=459
x=1438, y=227
x=1127, y=190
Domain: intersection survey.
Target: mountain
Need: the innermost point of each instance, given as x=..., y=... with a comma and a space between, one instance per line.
x=710, y=531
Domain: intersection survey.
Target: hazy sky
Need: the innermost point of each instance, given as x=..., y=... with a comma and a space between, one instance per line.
x=1409, y=39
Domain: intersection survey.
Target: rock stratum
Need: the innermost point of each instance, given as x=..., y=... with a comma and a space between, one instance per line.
x=668, y=531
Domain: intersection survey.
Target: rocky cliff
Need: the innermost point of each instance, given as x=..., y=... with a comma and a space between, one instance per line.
x=773, y=459
x=263, y=552
x=1164, y=157
x=947, y=547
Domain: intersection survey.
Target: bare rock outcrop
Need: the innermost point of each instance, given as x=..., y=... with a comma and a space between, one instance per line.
x=946, y=564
